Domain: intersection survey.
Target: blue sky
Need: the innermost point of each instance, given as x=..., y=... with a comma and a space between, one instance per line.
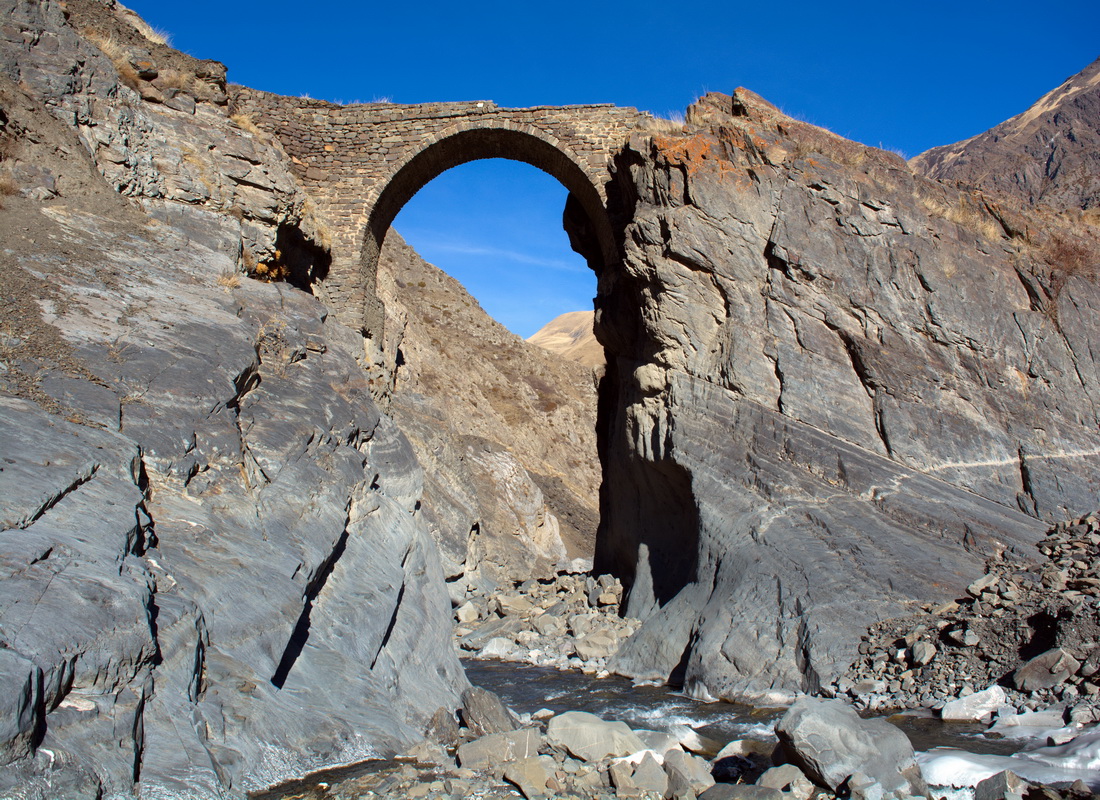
x=897, y=75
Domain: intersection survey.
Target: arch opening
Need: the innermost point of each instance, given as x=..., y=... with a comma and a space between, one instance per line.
x=495, y=225
x=472, y=144
x=511, y=482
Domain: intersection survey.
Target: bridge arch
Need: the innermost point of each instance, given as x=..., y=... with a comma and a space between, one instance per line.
x=469, y=141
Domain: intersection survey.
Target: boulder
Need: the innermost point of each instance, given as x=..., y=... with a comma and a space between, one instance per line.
x=861, y=787
x=531, y=775
x=789, y=779
x=923, y=653
x=830, y=742
x=686, y=773
x=976, y=707
x=548, y=624
x=499, y=748
x=596, y=645
x=1045, y=670
x=484, y=713
x=467, y=612
x=650, y=777
x=499, y=647
x=1005, y=785
x=442, y=728
x=513, y=605
x=427, y=752
x=589, y=738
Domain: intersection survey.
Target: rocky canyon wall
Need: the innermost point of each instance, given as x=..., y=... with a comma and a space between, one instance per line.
x=834, y=388
x=214, y=570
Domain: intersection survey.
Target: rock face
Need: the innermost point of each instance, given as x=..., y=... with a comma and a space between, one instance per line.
x=504, y=430
x=1049, y=154
x=214, y=571
x=571, y=336
x=823, y=399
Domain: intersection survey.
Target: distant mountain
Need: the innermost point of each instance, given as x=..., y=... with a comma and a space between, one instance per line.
x=1049, y=155
x=570, y=335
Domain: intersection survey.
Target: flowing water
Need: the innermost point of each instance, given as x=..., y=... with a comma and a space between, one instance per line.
x=527, y=688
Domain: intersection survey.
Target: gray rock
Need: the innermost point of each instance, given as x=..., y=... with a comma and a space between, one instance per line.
x=650, y=777
x=1045, y=670
x=923, y=653
x=1005, y=785
x=861, y=787
x=499, y=647
x=596, y=645
x=966, y=638
x=466, y=613
x=982, y=584
x=548, y=624
x=426, y=752
x=484, y=713
x=789, y=779
x=499, y=748
x=443, y=729
x=531, y=775
x=589, y=738
x=740, y=791
x=513, y=605
x=975, y=707
x=241, y=537
x=687, y=773
x=22, y=716
x=774, y=480
x=829, y=742
x=491, y=630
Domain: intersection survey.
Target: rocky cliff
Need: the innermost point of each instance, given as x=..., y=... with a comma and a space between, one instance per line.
x=215, y=570
x=1048, y=155
x=505, y=431
x=834, y=388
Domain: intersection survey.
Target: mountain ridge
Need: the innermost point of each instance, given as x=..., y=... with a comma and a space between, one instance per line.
x=1048, y=154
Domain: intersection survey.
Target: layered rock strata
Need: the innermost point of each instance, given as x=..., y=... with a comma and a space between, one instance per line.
x=214, y=570
x=215, y=573
x=825, y=400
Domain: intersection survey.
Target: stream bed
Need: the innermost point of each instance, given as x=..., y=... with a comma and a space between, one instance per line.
x=526, y=689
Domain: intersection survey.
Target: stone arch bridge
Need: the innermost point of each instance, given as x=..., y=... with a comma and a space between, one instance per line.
x=362, y=163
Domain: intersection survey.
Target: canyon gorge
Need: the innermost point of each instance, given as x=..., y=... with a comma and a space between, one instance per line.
x=255, y=449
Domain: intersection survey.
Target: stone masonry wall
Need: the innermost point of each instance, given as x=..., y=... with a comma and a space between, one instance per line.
x=346, y=156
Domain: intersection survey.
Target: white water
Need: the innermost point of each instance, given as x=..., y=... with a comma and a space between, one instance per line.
x=970, y=758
